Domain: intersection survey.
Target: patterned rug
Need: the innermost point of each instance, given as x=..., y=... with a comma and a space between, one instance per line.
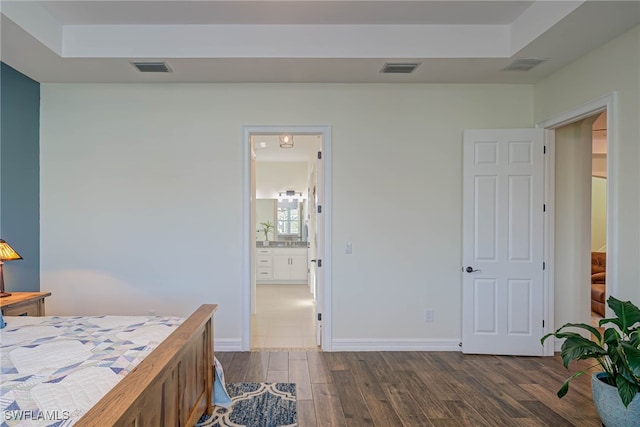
x=256, y=405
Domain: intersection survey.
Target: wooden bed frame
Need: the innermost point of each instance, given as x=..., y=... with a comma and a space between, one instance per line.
x=172, y=386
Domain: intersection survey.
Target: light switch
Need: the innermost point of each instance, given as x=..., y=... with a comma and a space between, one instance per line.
x=348, y=248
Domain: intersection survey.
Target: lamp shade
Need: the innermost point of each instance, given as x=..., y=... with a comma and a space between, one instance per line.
x=7, y=253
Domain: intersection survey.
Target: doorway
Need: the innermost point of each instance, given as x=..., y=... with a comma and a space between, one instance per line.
x=573, y=292
x=581, y=184
x=285, y=291
x=284, y=304
x=598, y=219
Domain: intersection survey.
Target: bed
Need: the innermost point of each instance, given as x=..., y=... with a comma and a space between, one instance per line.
x=171, y=385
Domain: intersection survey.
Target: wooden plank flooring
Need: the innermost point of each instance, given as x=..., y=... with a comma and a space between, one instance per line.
x=391, y=389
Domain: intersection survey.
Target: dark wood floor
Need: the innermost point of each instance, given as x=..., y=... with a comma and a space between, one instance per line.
x=391, y=389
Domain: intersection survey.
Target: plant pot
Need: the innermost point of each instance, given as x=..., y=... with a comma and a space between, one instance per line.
x=609, y=405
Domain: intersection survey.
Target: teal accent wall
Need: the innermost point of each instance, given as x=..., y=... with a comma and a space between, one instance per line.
x=20, y=177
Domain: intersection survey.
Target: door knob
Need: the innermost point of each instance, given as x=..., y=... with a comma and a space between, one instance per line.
x=471, y=270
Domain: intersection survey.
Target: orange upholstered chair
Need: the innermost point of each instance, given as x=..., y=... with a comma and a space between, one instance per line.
x=598, y=282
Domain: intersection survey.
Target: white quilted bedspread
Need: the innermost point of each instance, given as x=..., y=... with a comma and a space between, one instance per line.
x=53, y=369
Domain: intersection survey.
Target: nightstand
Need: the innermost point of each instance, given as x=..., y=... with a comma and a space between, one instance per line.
x=24, y=304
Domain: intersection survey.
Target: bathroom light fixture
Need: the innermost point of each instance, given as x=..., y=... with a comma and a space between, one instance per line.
x=290, y=196
x=286, y=141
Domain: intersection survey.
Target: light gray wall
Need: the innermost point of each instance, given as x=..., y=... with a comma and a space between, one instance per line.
x=275, y=177
x=265, y=211
x=142, y=185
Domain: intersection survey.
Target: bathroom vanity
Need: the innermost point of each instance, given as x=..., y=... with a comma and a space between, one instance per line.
x=282, y=264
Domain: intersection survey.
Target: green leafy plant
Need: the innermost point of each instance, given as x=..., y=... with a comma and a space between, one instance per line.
x=617, y=351
x=266, y=228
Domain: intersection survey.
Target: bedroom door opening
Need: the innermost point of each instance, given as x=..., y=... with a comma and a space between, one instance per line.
x=285, y=290
x=581, y=214
x=568, y=192
x=598, y=218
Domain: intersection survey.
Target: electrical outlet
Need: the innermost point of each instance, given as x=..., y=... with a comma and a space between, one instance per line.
x=428, y=315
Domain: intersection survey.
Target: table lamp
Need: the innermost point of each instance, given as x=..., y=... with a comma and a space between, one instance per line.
x=6, y=254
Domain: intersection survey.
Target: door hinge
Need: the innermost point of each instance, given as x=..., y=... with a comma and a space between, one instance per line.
x=319, y=208
x=544, y=150
x=319, y=155
x=544, y=208
x=543, y=323
x=319, y=317
x=544, y=265
x=319, y=263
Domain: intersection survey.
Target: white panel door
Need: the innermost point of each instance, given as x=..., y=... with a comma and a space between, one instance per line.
x=502, y=273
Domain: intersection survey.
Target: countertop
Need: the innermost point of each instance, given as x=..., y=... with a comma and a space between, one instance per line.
x=271, y=244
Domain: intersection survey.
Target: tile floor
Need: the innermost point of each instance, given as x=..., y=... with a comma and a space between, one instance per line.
x=284, y=318
x=595, y=318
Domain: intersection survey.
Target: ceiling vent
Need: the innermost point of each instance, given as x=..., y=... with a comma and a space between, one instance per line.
x=152, y=67
x=523, y=64
x=400, y=68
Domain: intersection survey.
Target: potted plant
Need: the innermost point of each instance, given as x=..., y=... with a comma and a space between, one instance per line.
x=266, y=228
x=616, y=390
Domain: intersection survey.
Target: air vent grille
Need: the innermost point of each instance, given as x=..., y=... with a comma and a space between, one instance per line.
x=523, y=64
x=152, y=67
x=399, y=68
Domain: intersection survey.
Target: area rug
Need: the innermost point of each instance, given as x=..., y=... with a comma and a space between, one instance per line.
x=256, y=405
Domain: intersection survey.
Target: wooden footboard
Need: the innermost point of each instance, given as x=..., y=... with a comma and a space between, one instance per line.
x=173, y=386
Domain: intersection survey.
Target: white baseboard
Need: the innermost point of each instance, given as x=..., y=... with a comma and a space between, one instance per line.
x=227, y=344
x=557, y=345
x=360, y=344
x=363, y=344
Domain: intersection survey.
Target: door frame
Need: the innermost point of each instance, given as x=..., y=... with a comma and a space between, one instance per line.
x=249, y=243
x=606, y=103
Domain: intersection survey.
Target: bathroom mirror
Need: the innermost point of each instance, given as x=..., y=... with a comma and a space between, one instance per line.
x=288, y=219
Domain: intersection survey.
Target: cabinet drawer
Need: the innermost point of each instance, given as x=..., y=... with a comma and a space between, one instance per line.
x=263, y=251
x=28, y=309
x=264, y=273
x=264, y=261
